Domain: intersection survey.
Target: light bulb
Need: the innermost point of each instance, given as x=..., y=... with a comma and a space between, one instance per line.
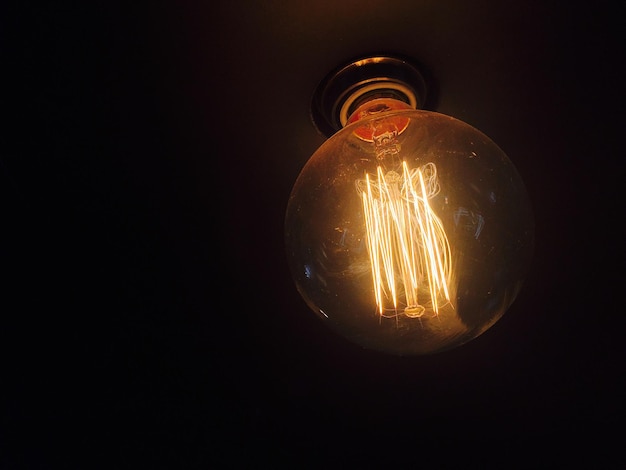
x=408, y=231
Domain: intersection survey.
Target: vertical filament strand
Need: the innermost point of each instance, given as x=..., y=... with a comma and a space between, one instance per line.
x=408, y=247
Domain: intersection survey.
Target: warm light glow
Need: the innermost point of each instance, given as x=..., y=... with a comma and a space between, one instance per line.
x=408, y=247
x=408, y=231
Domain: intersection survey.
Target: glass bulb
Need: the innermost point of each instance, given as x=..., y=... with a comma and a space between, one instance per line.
x=408, y=231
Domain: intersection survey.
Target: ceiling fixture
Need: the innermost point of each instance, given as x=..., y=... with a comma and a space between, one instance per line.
x=408, y=231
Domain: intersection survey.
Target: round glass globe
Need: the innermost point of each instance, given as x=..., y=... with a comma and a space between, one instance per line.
x=409, y=231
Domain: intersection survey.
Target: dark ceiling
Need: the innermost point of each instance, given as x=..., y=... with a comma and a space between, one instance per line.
x=149, y=316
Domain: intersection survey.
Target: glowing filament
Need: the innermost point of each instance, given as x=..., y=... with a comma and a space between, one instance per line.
x=408, y=247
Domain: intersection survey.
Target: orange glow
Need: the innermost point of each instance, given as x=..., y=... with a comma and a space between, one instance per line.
x=409, y=251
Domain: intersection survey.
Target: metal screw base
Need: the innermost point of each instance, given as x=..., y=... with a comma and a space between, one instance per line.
x=349, y=86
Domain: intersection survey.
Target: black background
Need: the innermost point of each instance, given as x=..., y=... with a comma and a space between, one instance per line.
x=148, y=317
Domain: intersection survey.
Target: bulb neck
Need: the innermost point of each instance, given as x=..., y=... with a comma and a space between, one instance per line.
x=377, y=106
x=379, y=122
